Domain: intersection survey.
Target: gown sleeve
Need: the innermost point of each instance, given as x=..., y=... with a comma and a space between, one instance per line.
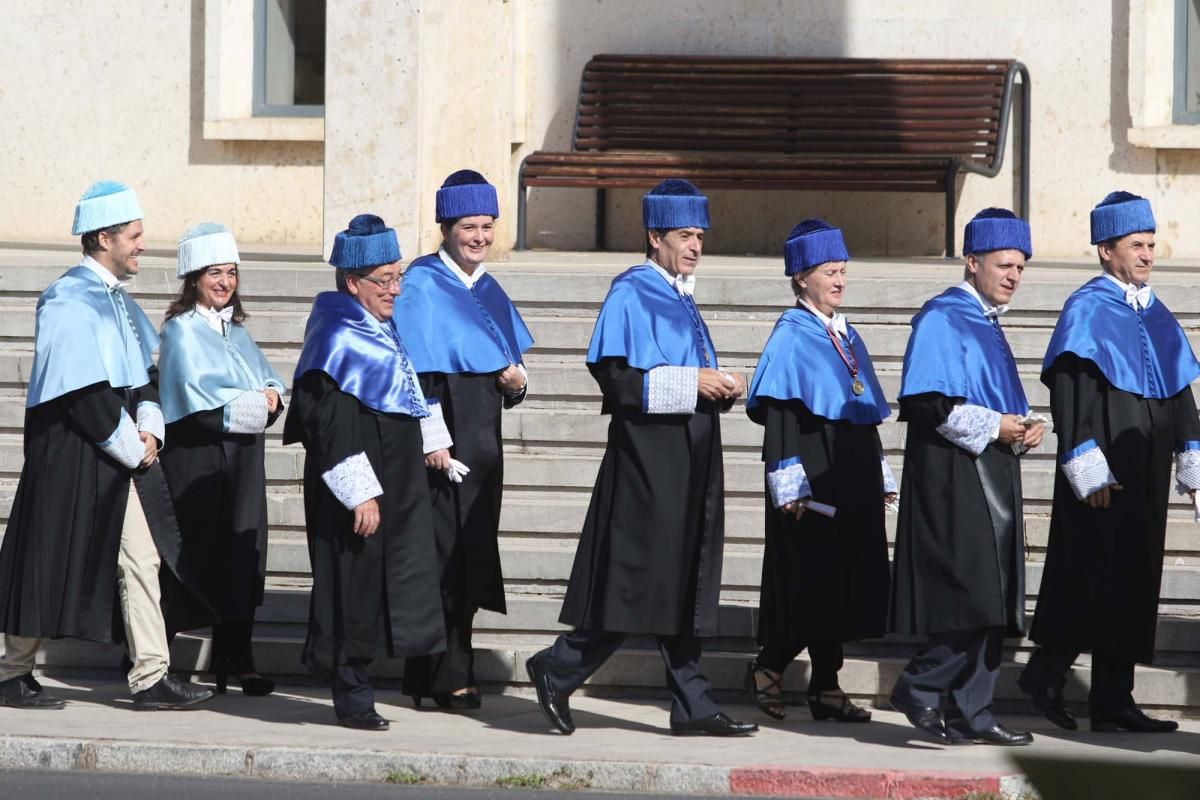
x=1187, y=442
x=968, y=426
x=98, y=411
x=793, y=443
x=1076, y=404
x=661, y=390
x=434, y=433
x=149, y=411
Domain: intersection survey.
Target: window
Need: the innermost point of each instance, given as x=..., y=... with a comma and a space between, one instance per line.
x=1187, y=62
x=289, y=58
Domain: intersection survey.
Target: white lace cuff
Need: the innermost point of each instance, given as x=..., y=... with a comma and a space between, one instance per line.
x=1087, y=469
x=671, y=390
x=971, y=427
x=246, y=413
x=434, y=430
x=787, y=481
x=889, y=480
x=150, y=420
x=124, y=445
x=353, y=481
x=1187, y=467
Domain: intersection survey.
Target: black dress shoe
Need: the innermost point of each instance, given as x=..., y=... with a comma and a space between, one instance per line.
x=996, y=734
x=1049, y=701
x=925, y=719
x=170, y=693
x=553, y=704
x=365, y=721
x=1131, y=719
x=718, y=724
x=24, y=691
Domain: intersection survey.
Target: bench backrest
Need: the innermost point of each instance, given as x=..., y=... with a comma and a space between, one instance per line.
x=813, y=106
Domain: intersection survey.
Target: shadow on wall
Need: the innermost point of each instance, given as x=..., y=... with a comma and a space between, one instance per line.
x=743, y=221
x=249, y=153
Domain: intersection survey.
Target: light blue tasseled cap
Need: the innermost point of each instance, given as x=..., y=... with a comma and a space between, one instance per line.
x=105, y=203
x=204, y=245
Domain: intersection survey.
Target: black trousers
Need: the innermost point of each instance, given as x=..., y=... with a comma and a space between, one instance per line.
x=963, y=663
x=575, y=656
x=446, y=672
x=826, y=658
x=352, y=692
x=1112, y=677
x=232, y=649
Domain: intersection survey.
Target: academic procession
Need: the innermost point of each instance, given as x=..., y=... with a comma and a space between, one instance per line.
x=141, y=511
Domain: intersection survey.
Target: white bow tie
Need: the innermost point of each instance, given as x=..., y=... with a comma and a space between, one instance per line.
x=224, y=315
x=685, y=285
x=1138, y=297
x=995, y=312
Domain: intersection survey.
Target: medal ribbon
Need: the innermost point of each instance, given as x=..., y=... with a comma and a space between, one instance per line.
x=851, y=361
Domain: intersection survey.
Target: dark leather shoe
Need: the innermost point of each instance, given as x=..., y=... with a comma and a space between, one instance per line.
x=996, y=734
x=24, y=691
x=1131, y=719
x=553, y=704
x=1049, y=701
x=170, y=693
x=365, y=721
x=718, y=724
x=925, y=719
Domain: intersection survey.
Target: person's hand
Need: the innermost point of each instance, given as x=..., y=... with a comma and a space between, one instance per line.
x=890, y=497
x=1101, y=497
x=794, y=508
x=739, y=385
x=438, y=459
x=1012, y=430
x=714, y=385
x=1034, y=434
x=366, y=518
x=151, y=445
x=273, y=400
x=511, y=380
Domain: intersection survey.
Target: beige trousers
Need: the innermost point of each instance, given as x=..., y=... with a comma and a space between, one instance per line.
x=137, y=580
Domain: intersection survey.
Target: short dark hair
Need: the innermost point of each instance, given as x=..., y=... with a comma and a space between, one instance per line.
x=661, y=233
x=90, y=241
x=340, y=275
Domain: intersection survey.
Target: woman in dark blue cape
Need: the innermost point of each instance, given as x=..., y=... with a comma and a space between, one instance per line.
x=219, y=394
x=825, y=580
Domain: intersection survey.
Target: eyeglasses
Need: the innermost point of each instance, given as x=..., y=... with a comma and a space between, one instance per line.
x=381, y=283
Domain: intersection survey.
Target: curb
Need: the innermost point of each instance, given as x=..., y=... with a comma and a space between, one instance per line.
x=345, y=766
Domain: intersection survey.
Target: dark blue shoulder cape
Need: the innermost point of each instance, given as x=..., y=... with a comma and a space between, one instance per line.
x=80, y=339
x=799, y=362
x=649, y=324
x=956, y=351
x=1146, y=354
x=449, y=328
x=363, y=355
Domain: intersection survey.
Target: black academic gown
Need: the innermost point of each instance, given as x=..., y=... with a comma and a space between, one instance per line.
x=649, y=557
x=377, y=594
x=1104, y=567
x=824, y=579
x=960, y=541
x=58, y=562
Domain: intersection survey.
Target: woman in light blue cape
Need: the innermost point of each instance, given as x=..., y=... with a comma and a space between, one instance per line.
x=219, y=394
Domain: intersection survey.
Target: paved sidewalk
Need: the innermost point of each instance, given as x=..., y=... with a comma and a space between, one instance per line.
x=620, y=745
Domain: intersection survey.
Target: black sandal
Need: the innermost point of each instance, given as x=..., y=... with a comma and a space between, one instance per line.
x=841, y=709
x=769, y=699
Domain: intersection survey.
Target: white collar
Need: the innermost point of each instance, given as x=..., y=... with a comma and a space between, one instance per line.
x=110, y=280
x=1134, y=295
x=683, y=284
x=989, y=310
x=468, y=280
x=837, y=323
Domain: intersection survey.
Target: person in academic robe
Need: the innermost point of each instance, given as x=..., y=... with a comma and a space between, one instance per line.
x=1119, y=368
x=824, y=578
x=649, y=558
x=960, y=544
x=219, y=393
x=467, y=342
x=92, y=518
x=358, y=409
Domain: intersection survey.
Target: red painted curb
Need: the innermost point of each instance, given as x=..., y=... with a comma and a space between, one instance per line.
x=833, y=782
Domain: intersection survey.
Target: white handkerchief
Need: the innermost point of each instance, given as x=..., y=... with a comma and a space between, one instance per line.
x=457, y=471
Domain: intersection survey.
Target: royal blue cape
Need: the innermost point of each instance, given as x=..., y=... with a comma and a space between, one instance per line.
x=449, y=328
x=80, y=338
x=199, y=369
x=799, y=362
x=647, y=323
x=364, y=356
x=956, y=351
x=1149, y=357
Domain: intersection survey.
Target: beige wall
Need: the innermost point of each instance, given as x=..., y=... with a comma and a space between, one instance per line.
x=99, y=89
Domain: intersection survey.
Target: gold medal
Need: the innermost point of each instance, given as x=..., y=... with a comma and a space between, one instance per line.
x=857, y=387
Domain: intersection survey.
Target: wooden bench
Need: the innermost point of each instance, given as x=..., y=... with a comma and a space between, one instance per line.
x=839, y=124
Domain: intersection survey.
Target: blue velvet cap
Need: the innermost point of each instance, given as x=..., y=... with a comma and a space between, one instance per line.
x=1120, y=214
x=674, y=203
x=997, y=229
x=367, y=242
x=812, y=242
x=466, y=193
x=105, y=203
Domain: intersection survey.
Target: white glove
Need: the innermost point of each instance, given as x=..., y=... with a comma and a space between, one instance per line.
x=457, y=471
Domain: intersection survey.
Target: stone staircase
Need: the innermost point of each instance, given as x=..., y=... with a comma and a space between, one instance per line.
x=554, y=440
